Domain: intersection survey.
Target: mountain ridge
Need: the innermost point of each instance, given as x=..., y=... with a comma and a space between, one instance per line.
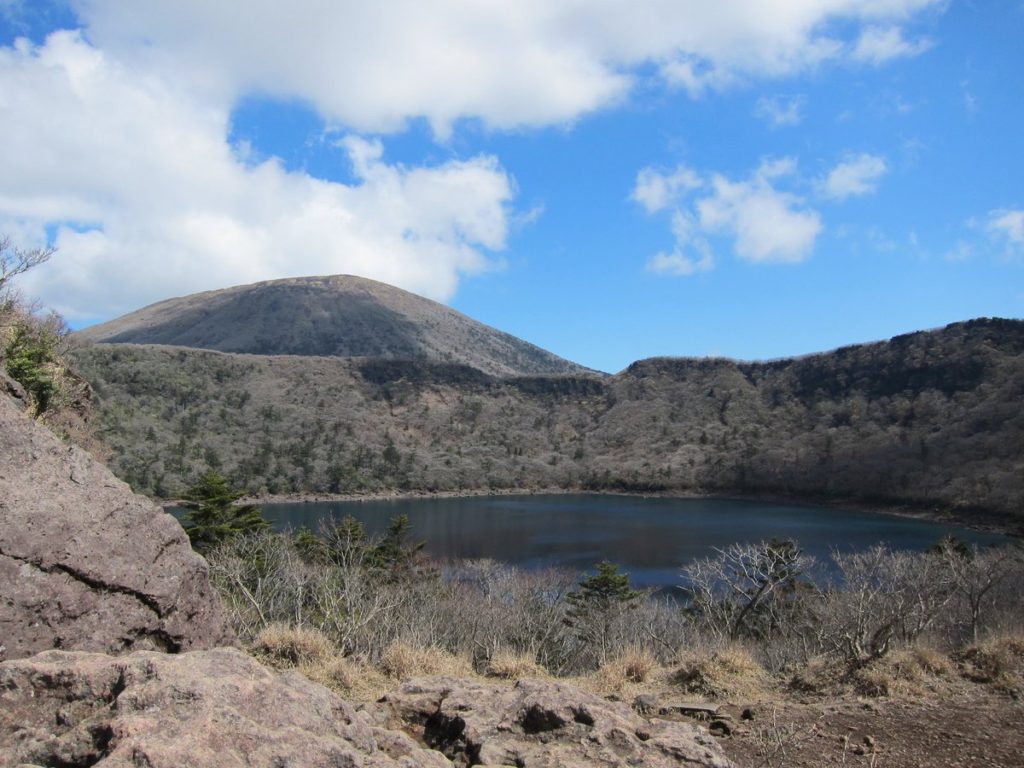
x=928, y=420
x=333, y=316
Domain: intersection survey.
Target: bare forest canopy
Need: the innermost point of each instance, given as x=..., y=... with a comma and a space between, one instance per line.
x=929, y=420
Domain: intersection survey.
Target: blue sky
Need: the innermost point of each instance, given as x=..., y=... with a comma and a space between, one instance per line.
x=608, y=180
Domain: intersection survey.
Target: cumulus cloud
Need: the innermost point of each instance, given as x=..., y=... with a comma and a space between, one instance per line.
x=655, y=190
x=855, y=176
x=691, y=254
x=532, y=62
x=1007, y=224
x=135, y=182
x=877, y=45
x=116, y=148
x=779, y=111
x=766, y=223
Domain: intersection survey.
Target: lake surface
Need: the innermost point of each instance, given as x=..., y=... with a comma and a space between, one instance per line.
x=648, y=537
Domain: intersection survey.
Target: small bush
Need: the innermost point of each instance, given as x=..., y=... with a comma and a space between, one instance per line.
x=727, y=673
x=510, y=665
x=402, y=661
x=905, y=671
x=286, y=647
x=624, y=673
x=998, y=660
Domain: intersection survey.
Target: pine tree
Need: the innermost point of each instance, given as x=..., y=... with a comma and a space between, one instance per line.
x=214, y=517
x=597, y=605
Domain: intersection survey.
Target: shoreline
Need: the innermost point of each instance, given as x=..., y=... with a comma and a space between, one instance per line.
x=987, y=522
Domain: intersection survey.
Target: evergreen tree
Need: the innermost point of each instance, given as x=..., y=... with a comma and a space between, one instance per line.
x=600, y=593
x=395, y=553
x=214, y=517
x=596, y=608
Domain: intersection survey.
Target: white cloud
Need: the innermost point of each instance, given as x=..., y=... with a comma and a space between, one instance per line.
x=766, y=224
x=677, y=263
x=148, y=199
x=691, y=254
x=655, y=191
x=779, y=111
x=372, y=65
x=1008, y=225
x=769, y=225
x=877, y=45
x=855, y=176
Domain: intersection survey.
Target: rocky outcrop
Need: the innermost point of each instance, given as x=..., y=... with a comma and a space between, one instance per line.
x=204, y=708
x=85, y=564
x=541, y=724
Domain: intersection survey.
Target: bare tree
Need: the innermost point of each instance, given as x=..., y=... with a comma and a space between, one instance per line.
x=976, y=574
x=15, y=261
x=885, y=595
x=745, y=588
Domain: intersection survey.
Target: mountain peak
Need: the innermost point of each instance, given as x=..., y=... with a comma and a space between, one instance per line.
x=329, y=316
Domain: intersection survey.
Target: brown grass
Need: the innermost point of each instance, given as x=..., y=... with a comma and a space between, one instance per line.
x=625, y=675
x=821, y=674
x=352, y=678
x=510, y=665
x=285, y=647
x=998, y=660
x=401, y=661
x=730, y=672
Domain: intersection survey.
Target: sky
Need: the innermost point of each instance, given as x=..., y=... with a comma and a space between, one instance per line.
x=610, y=180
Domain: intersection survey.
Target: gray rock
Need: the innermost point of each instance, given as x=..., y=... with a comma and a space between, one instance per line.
x=85, y=564
x=212, y=709
x=542, y=724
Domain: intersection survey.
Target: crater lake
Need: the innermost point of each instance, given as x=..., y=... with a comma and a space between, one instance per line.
x=650, y=538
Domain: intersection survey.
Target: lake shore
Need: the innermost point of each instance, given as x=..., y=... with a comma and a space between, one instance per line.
x=976, y=520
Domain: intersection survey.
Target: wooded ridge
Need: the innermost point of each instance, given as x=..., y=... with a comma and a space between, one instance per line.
x=930, y=419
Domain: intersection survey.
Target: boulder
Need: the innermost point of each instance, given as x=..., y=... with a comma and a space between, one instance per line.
x=541, y=724
x=85, y=564
x=209, y=709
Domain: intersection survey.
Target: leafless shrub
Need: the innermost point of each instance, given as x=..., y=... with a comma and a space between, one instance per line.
x=883, y=596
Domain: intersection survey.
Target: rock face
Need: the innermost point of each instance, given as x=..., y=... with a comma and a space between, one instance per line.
x=85, y=564
x=204, y=708
x=542, y=724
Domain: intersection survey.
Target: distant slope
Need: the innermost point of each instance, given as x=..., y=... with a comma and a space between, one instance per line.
x=339, y=316
x=931, y=420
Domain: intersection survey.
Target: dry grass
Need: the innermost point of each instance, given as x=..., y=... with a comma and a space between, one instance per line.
x=730, y=672
x=509, y=665
x=353, y=679
x=401, y=661
x=821, y=674
x=625, y=675
x=285, y=647
x=997, y=660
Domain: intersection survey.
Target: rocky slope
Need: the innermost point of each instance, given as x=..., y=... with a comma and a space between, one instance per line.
x=930, y=419
x=85, y=563
x=221, y=708
x=339, y=316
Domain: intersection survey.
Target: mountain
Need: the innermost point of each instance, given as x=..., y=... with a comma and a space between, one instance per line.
x=929, y=420
x=338, y=316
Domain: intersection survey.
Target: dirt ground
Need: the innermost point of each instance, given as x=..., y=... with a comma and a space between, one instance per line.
x=966, y=725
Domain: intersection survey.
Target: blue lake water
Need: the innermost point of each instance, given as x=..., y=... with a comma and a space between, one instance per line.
x=648, y=537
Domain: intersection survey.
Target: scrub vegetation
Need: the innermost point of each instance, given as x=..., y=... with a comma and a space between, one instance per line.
x=766, y=605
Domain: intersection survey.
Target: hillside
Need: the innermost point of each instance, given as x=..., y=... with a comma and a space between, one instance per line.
x=339, y=316
x=930, y=419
